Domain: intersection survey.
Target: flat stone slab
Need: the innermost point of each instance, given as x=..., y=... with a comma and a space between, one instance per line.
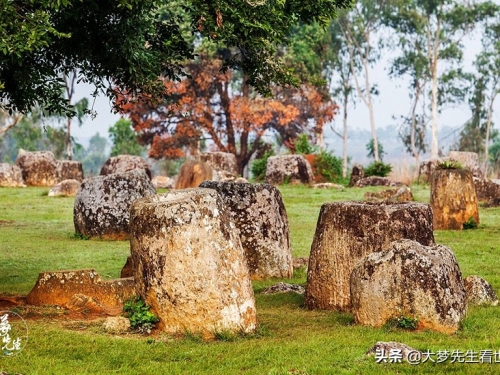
x=60, y=288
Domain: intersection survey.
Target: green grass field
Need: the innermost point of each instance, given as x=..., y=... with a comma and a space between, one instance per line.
x=36, y=234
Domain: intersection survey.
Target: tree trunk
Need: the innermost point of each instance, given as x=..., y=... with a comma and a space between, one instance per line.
x=414, y=125
x=69, y=149
x=370, y=109
x=344, y=138
x=487, y=140
x=434, y=113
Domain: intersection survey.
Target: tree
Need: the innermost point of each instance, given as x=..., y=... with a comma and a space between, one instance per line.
x=412, y=62
x=488, y=67
x=222, y=107
x=31, y=134
x=80, y=107
x=359, y=28
x=370, y=147
x=94, y=156
x=341, y=83
x=438, y=27
x=127, y=44
x=124, y=139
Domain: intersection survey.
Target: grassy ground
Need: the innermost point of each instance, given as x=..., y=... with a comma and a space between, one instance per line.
x=36, y=234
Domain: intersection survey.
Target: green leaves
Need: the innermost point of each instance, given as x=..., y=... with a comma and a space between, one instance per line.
x=130, y=44
x=124, y=139
x=139, y=315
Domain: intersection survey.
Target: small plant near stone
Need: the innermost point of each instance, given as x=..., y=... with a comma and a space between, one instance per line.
x=79, y=236
x=470, y=224
x=378, y=168
x=408, y=322
x=259, y=165
x=449, y=164
x=225, y=335
x=141, y=319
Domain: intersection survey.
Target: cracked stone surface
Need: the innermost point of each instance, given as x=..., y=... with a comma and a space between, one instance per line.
x=189, y=263
x=102, y=204
x=411, y=280
x=259, y=214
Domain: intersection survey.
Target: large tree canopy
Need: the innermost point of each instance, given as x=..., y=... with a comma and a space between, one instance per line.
x=131, y=43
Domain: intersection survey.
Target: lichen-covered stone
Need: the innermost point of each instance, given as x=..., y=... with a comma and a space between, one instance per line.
x=469, y=160
x=39, y=168
x=479, y=291
x=192, y=174
x=426, y=168
x=284, y=288
x=67, y=188
x=348, y=231
x=376, y=181
x=102, y=204
x=327, y=185
x=357, y=174
x=221, y=161
x=189, y=263
x=163, y=182
x=403, y=194
x=453, y=198
x=127, y=269
x=411, y=280
x=69, y=170
x=260, y=216
x=11, y=176
x=116, y=324
x=60, y=287
x=288, y=168
x=487, y=190
x=125, y=163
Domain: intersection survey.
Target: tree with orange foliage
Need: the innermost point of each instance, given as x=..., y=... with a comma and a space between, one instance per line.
x=220, y=106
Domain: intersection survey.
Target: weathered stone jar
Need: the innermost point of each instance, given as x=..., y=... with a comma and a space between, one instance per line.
x=259, y=214
x=348, y=231
x=453, y=198
x=102, y=204
x=189, y=263
x=408, y=279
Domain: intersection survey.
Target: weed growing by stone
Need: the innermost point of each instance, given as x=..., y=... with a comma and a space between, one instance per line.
x=470, y=224
x=449, y=164
x=378, y=168
x=408, y=322
x=141, y=319
x=80, y=236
